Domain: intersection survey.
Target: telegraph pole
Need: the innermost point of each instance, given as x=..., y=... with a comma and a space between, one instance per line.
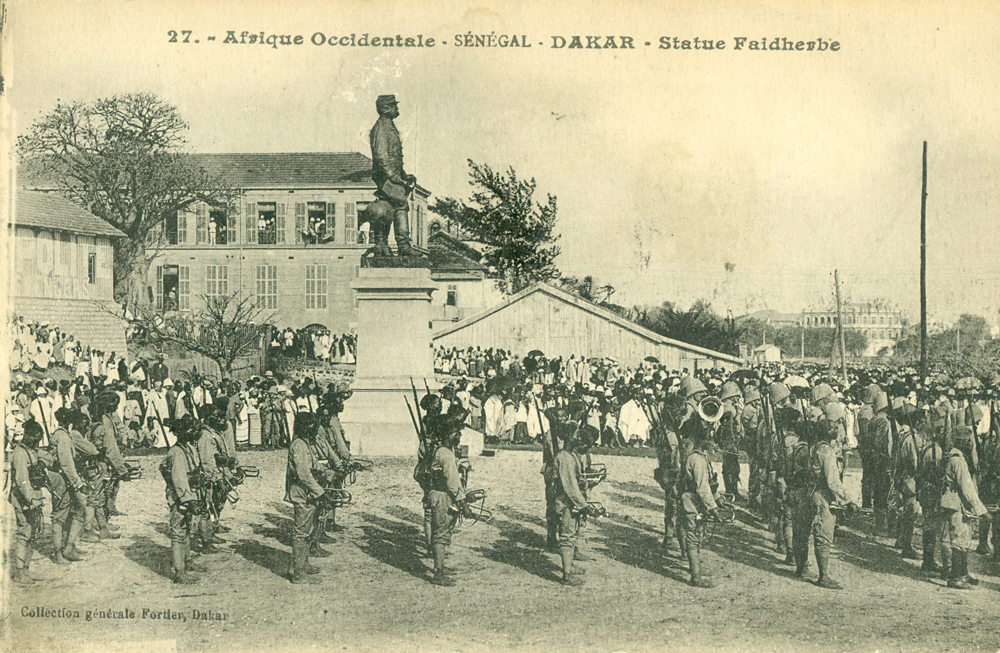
x=923, y=268
x=840, y=327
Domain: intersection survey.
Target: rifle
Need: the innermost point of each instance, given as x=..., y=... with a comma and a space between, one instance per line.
x=547, y=440
x=416, y=405
x=416, y=427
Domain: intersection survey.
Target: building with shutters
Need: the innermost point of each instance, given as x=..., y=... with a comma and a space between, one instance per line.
x=293, y=243
x=63, y=269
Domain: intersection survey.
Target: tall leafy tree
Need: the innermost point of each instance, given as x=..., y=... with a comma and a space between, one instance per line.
x=120, y=158
x=518, y=232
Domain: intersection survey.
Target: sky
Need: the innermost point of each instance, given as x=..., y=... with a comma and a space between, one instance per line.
x=742, y=177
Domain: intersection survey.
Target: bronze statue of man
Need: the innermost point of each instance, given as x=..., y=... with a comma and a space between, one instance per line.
x=393, y=184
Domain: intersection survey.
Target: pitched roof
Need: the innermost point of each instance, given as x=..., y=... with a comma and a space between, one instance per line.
x=448, y=255
x=443, y=239
x=593, y=309
x=252, y=170
x=52, y=211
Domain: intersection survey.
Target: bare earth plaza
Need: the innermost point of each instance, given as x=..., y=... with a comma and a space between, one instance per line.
x=468, y=329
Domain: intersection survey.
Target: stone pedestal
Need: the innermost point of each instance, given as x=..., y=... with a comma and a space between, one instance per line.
x=394, y=346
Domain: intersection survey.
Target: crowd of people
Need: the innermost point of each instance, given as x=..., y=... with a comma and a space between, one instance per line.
x=315, y=344
x=928, y=447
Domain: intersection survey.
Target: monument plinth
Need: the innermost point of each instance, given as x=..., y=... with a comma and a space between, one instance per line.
x=394, y=346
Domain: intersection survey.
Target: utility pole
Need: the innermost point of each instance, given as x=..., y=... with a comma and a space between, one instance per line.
x=840, y=328
x=923, y=268
x=802, y=344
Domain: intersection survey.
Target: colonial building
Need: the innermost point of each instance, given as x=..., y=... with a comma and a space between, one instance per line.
x=63, y=269
x=293, y=243
x=464, y=288
x=878, y=321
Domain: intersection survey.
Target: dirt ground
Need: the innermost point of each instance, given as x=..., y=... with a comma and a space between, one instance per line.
x=375, y=593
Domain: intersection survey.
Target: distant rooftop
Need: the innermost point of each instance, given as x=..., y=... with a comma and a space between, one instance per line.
x=55, y=212
x=274, y=170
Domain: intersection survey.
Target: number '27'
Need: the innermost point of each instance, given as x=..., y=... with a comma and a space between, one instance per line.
x=185, y=33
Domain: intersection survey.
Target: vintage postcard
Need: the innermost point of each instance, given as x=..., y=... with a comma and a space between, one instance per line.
x=601, y=326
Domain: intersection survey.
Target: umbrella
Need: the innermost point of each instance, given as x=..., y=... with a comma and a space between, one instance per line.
x=651, y=359
x=968, y=383
x=795, y=381
x=744, y=377
x=535, y=352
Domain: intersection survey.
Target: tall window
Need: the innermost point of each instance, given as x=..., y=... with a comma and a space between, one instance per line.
x=219, y=228
x=267, y=286
x=201, y=224
x=181, y=227
x=251, y=222
x=315, y=286
x=267, y=223
x=316, y=214
x=216, y=281
x=350, y=223
x=184, y=287
x=92, y=267
x=452, y=299
x=171, y=227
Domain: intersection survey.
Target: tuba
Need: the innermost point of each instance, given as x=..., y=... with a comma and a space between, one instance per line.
x=710, y=409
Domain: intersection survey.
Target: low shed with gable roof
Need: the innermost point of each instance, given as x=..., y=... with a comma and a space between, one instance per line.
x=561, y=324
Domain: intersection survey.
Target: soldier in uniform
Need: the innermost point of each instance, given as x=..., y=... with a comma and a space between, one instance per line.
x=550, y=449
x=697, y=498
x=667, y=473
x=112, y=464
x=393, y=184
x=570, y=501
x=69, y=491
x=799, y=494
x=731, y=436
x=27, y=478
x=431, y=405
x=446, y=497
x=911, y=443
x=827, y=489
x=211, y=448
x=179, y=468
x=752, y=422
x=961, y=506
x=930, y=480
x=865, y=450
x=331, y=439
x=880, y=440
x=305, y=494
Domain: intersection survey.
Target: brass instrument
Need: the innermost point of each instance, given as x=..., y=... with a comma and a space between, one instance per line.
x=710, y=409
x=593, y=475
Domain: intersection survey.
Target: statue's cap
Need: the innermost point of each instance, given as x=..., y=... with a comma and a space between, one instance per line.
x=385, y=101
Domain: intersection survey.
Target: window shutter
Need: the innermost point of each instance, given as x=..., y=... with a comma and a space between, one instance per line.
x=331, y=220
x=230, y=227
x=261, y=285
x=280, y=223
x=201, y=224
x=251, y=223
x=184, y=288
x=272, y=285
x=321, y=286
x=159, y=287
x=182, y=217
x=350, y=229
x=210, y=280
x=310, y=286
x=222, y=279
x=300, y=221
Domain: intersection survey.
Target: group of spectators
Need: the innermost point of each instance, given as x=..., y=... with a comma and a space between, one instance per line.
x=315, y=344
